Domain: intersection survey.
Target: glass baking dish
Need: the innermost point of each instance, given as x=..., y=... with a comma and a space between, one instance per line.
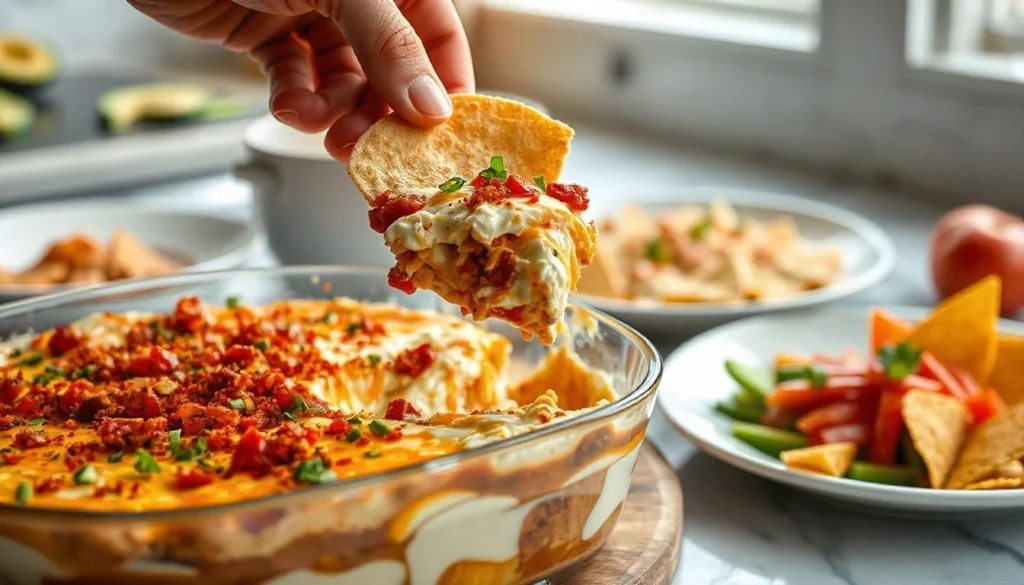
x=521, y=510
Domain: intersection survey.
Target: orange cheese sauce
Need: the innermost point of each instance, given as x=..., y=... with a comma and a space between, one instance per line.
x=210, y=405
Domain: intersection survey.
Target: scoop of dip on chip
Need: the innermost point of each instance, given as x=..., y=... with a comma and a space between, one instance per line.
x=473, y=211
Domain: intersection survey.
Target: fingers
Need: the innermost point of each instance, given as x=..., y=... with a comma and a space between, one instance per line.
x=286, y=61
x=439, y=27
x=393, y=58
x=339, y=78
x=343, y=134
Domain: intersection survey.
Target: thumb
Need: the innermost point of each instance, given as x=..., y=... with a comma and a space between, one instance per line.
x=393, y=58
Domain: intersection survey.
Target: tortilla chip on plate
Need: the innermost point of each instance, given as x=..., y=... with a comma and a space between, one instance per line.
x=999, y=483
x=936, y=424
x=1008, y=374
x=394, y=155
x=992, y=444
x=833, y=459
x=962, y=330
x=605, y=276
x=129, y=257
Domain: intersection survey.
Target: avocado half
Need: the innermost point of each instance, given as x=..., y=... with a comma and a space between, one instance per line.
x=25, y=64
x=124, y=107
x=17, y=115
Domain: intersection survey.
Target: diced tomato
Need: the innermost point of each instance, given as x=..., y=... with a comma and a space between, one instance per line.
x=933, y=369
x=239, y=355
x=27, y=406
x=388, y=208
x=188, y=315
x=859, y=433
x=888, y=427
x=193, y=478
x=834, y=414
x=799, y=395
x=398, y=409
x=248, y=455
x=63, y=340
x=157, y=362
x=398, y=280
x=967, y=381
x=984, y=405
x=479, y=182
x=572, y=195
x=516, y=186
x=10, y=389
x=338, y=427
x=887, y=329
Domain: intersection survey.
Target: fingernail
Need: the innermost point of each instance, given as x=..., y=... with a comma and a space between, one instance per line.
x=290, y=117
x=428, y=98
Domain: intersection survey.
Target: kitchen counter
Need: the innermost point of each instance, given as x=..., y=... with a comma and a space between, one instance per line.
x=740, y=529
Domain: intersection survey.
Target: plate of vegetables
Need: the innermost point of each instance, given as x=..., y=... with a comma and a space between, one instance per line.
x=904, y=411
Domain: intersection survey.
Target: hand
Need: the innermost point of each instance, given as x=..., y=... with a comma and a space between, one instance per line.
x=338, y=64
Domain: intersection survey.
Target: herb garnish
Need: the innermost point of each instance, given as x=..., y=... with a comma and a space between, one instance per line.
x=698, y=231
x=378, y=428
x=23, y=493
x=899, y=361
x=314, y=470
x=145, y=463
x=330, y=318
x=35, y=422
x=353, y=327
x=85, y=474
x=540, y=182
x=353, y=435
x=85, y=372
x=32, y=360
x=262, y=345
x=297, y=408
x=452, y=185
x=657, y=251
x=231, y=302
x=115, y=457
x=374, y=358
x=496, y=170
x=237, y=404
x=373, y=454
x=355, y=420
x=207, y=465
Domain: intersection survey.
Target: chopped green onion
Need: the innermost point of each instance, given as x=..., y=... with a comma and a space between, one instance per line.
x=207, y=465
x=262, y=345
x=23, y=493
x=314, y=470
x=657, y=251
x=330, y=318
x=297, y=407
x=353, y=327
x=374, y=359
x=353, y=435
x=145, y=463
x=452, y=185
x=35, y=422
x=237, y=404
x=85, y=372
x=373, y=454
x=32, y=360
x=355, y=420
x=541, y=183
x=85, y=474
x=378, y=428
x=698, y=231
x=174, y=438
x=496, y=170
x=232, y=302
x=115, y=457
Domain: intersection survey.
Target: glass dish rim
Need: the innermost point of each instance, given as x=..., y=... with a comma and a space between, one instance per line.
x=20, y=513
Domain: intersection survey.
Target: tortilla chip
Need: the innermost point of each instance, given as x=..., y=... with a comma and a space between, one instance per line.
x=993, y=443
x=832, y=459
x=129, y=257
x=936, y=424
x=999, y=483
x=1008, y=374
x=394, y=155
x=962, y=330
x=604, y=276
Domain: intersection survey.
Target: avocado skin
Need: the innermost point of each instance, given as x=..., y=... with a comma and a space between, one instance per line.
x=17, y=116
x=122, y=108
x=13, y=75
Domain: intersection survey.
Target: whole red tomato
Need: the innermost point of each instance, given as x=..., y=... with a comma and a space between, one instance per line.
x=975, y=241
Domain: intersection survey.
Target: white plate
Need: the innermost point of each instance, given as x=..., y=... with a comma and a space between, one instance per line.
x=208, y=242
x=695, y=379
x=868, y=257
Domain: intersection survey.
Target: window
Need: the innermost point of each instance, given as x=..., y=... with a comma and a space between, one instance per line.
x=928, y=93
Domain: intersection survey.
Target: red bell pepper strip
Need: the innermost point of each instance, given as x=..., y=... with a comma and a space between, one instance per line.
x=831, y=415
x=914, y=382
x=887, y=430
x=967, y=381
x=887, y=329
x=932, y=368
x=859, y=433
x=984, y=405
x=800, y=395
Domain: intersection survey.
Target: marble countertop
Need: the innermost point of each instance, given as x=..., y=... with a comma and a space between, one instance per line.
x=740, y=529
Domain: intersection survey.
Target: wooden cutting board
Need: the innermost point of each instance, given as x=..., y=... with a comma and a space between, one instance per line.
x=644, y=547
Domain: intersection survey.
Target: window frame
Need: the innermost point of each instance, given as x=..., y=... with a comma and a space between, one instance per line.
x=861, y=103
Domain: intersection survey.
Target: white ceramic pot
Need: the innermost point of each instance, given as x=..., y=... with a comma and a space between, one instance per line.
x=308, y=205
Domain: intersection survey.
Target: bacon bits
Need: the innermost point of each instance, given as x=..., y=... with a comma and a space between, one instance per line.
x=413, y=362
x=398, y=409
x=62, y=341
x=572, y=195
x=156, y=362
x=388, y=208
